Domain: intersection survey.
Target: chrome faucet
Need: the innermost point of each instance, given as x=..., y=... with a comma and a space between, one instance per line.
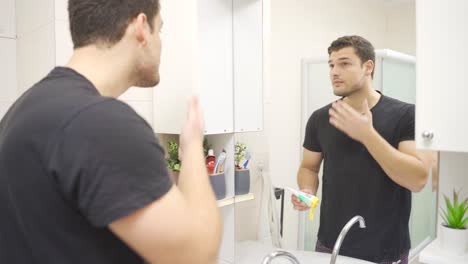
x=344, y=231
x=280, y=254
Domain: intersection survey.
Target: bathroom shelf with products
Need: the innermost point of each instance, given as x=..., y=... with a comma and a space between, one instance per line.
x=231, y=193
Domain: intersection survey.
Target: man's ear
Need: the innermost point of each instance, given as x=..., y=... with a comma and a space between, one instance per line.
x=140, y=24
x=369, y=66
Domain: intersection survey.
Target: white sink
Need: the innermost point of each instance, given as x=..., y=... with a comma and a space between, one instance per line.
x=253, y=252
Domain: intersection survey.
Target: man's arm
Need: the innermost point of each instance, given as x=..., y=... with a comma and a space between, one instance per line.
x=434, y=157
x=405, y=166
x=307, y=176
x=184, y=225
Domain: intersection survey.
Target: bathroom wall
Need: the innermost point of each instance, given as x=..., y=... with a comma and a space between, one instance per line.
x=401, y=27
x=7, y=73
x=7, y=55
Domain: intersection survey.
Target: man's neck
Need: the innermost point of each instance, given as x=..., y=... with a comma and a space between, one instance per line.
x=356, y=99
x=104, y=68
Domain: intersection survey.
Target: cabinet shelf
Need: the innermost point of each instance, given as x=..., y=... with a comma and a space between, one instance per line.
x=236, y=199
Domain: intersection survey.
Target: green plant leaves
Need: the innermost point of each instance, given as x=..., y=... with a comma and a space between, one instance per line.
x=173, y=161
x=448, y=204
x=454, y=215
x=239, y=152
x=443, y=214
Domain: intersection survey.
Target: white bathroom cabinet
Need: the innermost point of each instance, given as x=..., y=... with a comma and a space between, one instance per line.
x=212, y=49
x=441, y=111
x=196, y=59
x=248, y=65
x=442, y=79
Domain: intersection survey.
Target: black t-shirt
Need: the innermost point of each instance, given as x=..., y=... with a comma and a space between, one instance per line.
x=71, y=163
x=355, y=184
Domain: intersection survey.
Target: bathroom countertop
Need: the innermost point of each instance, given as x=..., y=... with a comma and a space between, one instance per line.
x=253, y=252
x=433, y=254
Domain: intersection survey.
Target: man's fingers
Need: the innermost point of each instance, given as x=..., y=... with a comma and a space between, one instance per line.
x=294, y=199
x=337, y=108
x=336, y=123
x=345, y=106
x=334, y=114
x=298, y=204
x=180, y=153
x=341, y=108
x=195, y=117
x=194, y=103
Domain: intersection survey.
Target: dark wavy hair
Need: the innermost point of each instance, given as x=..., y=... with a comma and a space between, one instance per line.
x=105, y=21
x=362, y=47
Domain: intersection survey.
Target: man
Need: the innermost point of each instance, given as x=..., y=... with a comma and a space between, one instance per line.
x=371, y=165
x=82, y=176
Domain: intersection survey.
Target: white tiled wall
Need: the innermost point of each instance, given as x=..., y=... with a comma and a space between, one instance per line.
x=7, y=69
x=7, y=19
x=61, y=12
x=33, y=15
x=4, y=106
x=63, y=42
x=35, y=55
x=137, y=94
x=7, y=55
x=144, y=109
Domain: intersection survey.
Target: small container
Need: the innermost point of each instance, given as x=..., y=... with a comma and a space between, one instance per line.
x=210, y=161
x=242, y=181
x=218, y=183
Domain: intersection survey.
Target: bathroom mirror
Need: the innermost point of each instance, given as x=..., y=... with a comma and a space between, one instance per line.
x=296, y=83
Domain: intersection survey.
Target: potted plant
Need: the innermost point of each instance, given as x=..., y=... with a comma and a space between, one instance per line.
x=239, y=154
x=454, y=232
x=173, y=161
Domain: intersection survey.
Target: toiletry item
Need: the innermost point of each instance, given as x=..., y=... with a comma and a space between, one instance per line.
x=219, y=168
x=248, y=156
x=218, y=184
x=211, y=162
x=310, y=200
x=241, y=181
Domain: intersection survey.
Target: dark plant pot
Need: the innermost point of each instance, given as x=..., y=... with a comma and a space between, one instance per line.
x=242, y=181
x=218, y=183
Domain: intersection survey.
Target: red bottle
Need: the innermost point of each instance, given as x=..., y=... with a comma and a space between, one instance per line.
x=210, y=161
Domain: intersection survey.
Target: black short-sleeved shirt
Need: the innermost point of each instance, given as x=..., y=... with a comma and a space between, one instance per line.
x=71, y=163
x=355, y=184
